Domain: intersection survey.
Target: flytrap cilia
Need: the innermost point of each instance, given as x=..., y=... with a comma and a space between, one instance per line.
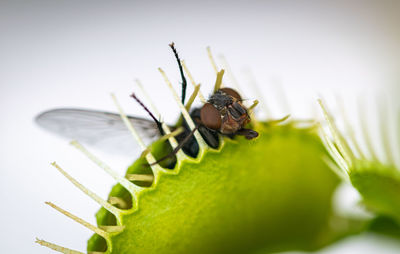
x=222, y=114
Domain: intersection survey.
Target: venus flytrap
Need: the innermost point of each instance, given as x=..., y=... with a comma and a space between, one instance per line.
x=264, y=195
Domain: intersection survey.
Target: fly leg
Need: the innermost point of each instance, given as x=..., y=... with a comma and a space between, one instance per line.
x=247, y=133
x=175, y=151
x=184, y=83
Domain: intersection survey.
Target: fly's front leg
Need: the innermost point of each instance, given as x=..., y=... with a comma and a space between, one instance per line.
x=247, y=133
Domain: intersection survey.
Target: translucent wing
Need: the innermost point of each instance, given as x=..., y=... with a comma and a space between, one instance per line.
x=103, y=130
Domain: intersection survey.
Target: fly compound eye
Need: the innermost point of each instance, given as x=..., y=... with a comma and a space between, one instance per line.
x=210, y=116
x=231, y=92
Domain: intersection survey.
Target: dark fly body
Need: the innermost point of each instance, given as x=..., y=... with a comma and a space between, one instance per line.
x=222, y=114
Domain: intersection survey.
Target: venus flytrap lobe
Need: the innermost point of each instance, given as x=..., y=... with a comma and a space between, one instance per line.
x=377, y=180
x=223, y=183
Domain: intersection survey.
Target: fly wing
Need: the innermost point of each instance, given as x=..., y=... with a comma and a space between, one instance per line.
x=103, y=130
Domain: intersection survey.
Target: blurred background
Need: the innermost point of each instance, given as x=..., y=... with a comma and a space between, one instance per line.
x=74, y=54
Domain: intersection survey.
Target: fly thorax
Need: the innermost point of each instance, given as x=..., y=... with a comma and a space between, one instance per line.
x=220, y=100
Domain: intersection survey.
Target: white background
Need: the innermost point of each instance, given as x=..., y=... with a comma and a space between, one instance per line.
x=64, y=53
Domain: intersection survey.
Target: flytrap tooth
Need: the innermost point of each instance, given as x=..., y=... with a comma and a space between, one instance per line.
x=128, y=124
x=201, y=96
x=349, y=128
x=185, y=113
x=147, y=98
x=170, y=135
x=149, y=157
x=112, y=229
x=278, y=121
x=212, y=61
x=386, y=132
x=192, y=97
x=282, y=97
x=118, y=202
x=57, y=247
x=345, y=144
x=255, y=103
x=140, y=177
x=175, y=133
x=339, y=140
x=218, y=82
x=333, y=151
x=335, y=168
x=253, y=117
x=91, y=227
x=365, y=132
x=229, y=72
x=112, y=209
x=132, y=188
x=256, y=89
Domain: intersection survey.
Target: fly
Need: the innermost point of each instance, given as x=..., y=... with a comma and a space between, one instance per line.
x=223, y=114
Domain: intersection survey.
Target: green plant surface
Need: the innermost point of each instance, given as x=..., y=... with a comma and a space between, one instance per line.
x=379, y=186
x=385, y=225
x=271, y=194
